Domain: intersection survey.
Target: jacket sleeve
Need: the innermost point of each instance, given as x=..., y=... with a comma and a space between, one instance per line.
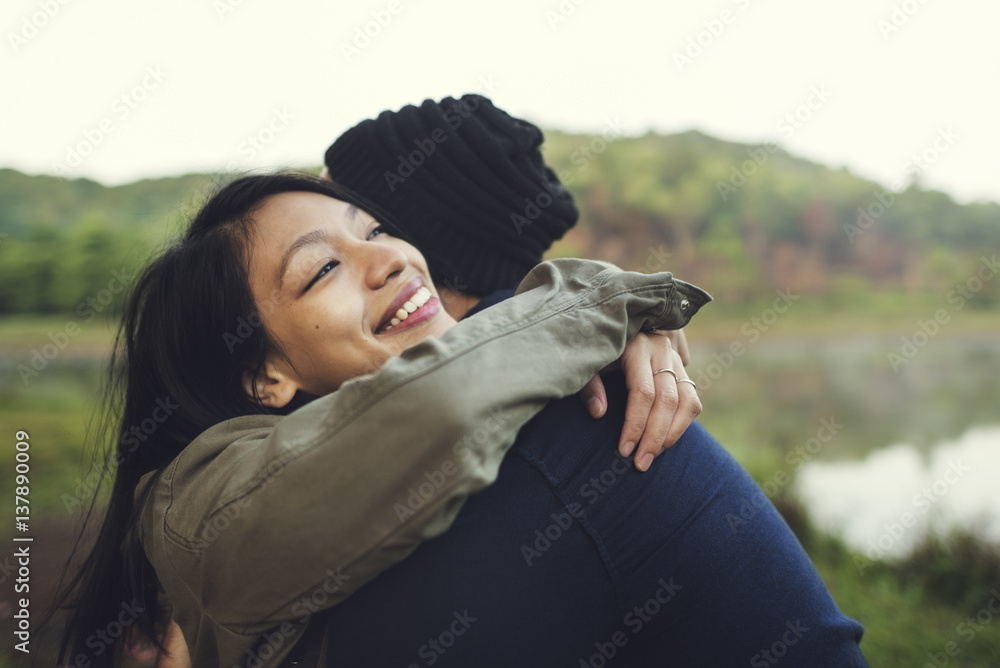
x=293, y=517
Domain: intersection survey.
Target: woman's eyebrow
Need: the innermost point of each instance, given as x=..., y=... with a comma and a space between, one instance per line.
x=320, y=236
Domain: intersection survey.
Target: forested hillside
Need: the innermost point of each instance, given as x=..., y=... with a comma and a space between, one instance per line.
x=740, y=220
x=745, y=220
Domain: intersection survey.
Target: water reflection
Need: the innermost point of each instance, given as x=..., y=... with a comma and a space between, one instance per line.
x=771, y=399
x=885, y=504
x=770, y=402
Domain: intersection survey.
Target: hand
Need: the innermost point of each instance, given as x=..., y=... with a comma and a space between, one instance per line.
x=680, y=344
x=177, y=650
x=659, y=408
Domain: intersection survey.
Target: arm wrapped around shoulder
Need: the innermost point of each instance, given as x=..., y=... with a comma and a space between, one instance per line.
x=678, y=301
x=355, y=480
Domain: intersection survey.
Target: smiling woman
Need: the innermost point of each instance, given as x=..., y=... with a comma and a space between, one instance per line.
x=271, y=491
x=340, y=278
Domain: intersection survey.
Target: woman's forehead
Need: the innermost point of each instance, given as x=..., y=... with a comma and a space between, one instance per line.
x=293, y=212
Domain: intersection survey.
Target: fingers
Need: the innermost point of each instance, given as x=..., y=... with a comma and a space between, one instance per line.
x=674, y=406
x=680, y=344
x=594, y=397
x=688, y=408
x=641, y=392
x=662, y=401
x=661, y=416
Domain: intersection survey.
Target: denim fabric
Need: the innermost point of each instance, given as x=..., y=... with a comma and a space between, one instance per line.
x=574, y=558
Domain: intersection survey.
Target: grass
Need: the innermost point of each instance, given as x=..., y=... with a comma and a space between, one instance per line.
x=880, y=316
x=906, y=619
x=21, y=333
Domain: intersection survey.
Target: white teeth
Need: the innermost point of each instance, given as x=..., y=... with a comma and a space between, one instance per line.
x=419, y=298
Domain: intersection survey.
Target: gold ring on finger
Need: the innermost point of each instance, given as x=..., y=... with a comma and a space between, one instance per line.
x=670, y=371
x=686, y=380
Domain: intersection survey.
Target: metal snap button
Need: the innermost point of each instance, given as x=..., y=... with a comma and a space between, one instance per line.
x=684, y=304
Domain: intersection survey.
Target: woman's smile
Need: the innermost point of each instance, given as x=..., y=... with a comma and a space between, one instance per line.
x=413, y=305
x=354, y=295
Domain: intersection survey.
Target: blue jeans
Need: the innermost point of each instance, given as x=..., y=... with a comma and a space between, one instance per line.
x=574, y=558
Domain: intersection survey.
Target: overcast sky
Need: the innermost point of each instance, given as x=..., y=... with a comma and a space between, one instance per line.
x=149, y=89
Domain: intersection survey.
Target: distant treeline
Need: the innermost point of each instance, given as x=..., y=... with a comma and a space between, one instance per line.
x=744, y=220
x=740, y=220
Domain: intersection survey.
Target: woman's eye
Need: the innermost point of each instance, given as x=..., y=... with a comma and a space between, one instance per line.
x=326, y=267
x=378, y=230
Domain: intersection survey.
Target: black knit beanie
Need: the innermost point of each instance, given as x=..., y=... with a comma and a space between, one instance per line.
x=466, y=183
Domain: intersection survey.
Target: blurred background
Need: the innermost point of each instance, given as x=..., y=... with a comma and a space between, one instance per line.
x=827, y=171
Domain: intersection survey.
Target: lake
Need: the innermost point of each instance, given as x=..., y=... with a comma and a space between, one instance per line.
x=880, y=455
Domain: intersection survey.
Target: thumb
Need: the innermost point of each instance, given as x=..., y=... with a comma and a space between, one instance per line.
x=594, y=397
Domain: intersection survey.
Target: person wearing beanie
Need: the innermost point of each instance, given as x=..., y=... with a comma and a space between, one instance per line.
x=468, y=182
x=570, y=557
x=541, y=568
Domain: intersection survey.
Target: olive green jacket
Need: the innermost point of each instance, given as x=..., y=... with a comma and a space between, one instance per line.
x=264, y=520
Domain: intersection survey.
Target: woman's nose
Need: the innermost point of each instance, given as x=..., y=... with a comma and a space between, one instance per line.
x=384, y=262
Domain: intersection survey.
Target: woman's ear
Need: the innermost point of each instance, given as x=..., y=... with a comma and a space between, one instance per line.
x=275, y=387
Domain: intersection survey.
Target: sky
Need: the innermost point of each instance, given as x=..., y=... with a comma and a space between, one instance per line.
x=119, y=90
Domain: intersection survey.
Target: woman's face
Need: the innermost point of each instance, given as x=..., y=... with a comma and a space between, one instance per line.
x=328, y=283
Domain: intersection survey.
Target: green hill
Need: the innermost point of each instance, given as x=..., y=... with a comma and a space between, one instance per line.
x=741, y=220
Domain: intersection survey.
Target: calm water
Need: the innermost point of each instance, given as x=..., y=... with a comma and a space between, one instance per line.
x=884, y=504
x=879, y=455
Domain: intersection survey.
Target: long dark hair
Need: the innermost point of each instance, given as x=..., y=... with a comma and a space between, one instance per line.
x=189, y=331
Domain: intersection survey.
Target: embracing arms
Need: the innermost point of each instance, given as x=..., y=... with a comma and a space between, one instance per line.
x=262, y=516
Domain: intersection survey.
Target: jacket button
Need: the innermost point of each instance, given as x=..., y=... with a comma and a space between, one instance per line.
x=684, y=304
